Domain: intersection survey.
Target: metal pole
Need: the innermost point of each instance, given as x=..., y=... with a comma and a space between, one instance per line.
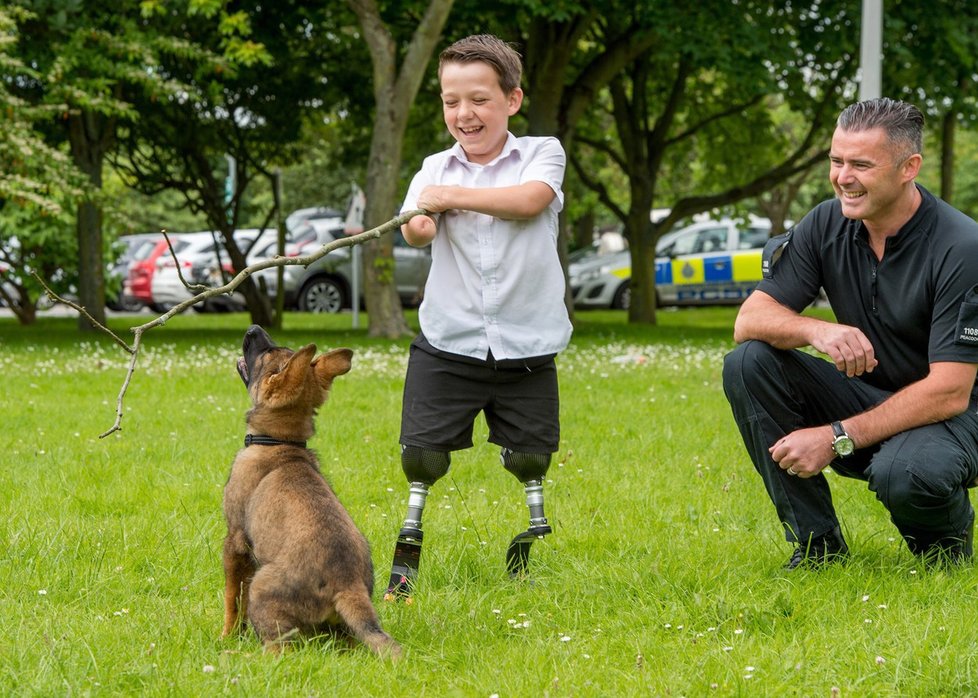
x=355, y=283
x=354, y=225
x=871, y=50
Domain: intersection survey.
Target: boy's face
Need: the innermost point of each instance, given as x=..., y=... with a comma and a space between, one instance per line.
x=476, y=109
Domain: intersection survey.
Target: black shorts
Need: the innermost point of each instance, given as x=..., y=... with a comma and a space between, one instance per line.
x=443, y=396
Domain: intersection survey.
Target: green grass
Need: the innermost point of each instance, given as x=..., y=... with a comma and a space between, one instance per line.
x=662, y=577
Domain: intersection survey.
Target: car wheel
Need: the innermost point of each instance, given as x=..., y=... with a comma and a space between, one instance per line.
x=623, y=297
x=321, y=295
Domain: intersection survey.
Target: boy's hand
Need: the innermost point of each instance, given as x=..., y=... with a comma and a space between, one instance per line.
x=420, y=230
x=434, y=198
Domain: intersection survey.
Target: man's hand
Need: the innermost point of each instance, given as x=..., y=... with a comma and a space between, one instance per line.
x=804, y=452
x=847, y=346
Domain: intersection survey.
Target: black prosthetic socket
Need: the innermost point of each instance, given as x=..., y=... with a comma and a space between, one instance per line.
x=421, y=467
x=530, y=469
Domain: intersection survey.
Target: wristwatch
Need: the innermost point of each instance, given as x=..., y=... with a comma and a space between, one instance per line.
x=841, y=443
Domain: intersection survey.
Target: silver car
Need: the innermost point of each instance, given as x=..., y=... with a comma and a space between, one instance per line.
x=326, y=285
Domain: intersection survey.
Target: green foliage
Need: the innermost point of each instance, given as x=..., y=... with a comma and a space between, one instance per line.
x=32, y=173
x=662, y=576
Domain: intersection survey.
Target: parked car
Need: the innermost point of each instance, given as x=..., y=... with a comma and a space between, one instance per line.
x=309, y=235
x=198, y=261
x=138, y=286
x=325, y=286
x=127, y=246
x=706, y=263
x=212, y=269
x=304, y=215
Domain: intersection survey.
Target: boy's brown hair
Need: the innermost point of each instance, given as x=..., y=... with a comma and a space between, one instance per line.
x=489, y=49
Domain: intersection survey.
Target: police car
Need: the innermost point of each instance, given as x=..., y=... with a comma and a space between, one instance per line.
x=706, y=263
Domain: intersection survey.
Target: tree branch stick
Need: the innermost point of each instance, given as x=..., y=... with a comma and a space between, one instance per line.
x=227, y=288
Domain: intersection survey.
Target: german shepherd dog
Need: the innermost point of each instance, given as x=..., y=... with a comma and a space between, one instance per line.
x=294, y=561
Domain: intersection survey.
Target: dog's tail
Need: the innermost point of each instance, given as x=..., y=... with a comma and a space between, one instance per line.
x=360, y=616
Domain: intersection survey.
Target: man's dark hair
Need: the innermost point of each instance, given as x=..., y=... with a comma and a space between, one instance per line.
x=489, y=49
x=903, y=123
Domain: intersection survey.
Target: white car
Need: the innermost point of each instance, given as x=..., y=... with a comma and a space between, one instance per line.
x=706, y=263
x=198, y=264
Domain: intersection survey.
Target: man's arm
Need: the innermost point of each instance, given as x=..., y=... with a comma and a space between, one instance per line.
x=519, y=202
x=762, y=317
x=944, y=393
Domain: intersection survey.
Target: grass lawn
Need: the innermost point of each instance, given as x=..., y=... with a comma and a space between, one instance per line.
x=662, y=576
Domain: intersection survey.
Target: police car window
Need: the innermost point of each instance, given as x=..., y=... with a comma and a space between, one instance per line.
x=706, y=240
x=753, y=238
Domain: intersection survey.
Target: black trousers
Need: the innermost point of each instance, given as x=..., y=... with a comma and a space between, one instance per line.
x=921, y=476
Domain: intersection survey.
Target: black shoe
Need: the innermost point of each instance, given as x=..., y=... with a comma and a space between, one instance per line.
x=820, y=550
x=951, y=550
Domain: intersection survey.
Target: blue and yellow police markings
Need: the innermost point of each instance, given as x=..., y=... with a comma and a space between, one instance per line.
x=709, y=269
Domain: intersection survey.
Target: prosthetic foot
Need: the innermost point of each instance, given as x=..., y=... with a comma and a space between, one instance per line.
x=421, y=467
x=530, y=468
x=407, y=550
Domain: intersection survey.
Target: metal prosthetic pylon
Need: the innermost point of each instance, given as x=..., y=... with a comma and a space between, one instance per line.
x=518, y=553
x=407, y=550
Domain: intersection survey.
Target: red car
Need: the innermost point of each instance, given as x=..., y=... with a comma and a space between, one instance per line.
x=138, y=285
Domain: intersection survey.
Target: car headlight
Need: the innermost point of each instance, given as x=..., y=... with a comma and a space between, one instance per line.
x=586, y=276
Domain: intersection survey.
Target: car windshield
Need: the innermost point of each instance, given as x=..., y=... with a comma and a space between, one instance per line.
x=753, y=238
x=698, y=241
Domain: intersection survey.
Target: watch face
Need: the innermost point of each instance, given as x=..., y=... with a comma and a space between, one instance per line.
x=843, y=446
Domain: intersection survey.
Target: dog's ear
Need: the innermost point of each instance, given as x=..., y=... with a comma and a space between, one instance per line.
x=331, y=364
x=294, y=371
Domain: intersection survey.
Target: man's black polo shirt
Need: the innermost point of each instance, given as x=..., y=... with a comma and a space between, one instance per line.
x=917, y=305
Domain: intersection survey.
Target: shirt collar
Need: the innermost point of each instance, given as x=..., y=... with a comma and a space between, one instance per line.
x=920, y=220
x=509, y=147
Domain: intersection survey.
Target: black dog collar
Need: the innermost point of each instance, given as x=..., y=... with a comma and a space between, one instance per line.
x=258, y=440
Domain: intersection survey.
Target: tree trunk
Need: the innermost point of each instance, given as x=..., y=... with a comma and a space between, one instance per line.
x=584, y=230
x=258, y=302
x=948, y=125
x=394, y=91
x=90, y=135
x=386, y=318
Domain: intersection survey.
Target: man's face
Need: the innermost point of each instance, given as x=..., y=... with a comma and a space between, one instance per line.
x=476, y=109
x=869, y=174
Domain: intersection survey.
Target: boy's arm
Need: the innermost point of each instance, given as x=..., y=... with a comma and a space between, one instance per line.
x=519, y=202
x=419, y=230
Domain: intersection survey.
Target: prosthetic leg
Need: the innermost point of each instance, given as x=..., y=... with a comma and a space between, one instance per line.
x=530, y=469
x=422, y=467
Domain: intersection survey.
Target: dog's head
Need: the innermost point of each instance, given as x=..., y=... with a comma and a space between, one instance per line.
x=277, y=377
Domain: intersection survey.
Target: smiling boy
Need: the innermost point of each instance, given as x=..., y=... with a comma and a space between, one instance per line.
x=493, y=317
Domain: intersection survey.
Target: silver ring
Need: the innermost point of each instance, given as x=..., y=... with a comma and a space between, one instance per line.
x=792, y=471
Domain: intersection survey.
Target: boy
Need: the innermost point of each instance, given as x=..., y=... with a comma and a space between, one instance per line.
x=493, y=316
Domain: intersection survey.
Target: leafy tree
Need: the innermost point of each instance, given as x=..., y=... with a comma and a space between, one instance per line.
x=35, y=244
x=29, y=168
x=37, y=182
x=931, y=60
x=90, y=57
x=398, y=70
x=700, y=112
x=251, y=109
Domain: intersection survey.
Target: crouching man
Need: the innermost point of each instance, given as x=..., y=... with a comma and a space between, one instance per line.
x=895, y=405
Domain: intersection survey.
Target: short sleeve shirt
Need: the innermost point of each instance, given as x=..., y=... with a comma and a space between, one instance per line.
x=495, y=285
x=918, y=305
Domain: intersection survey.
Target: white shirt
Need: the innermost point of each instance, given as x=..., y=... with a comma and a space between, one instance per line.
x=495, y=284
